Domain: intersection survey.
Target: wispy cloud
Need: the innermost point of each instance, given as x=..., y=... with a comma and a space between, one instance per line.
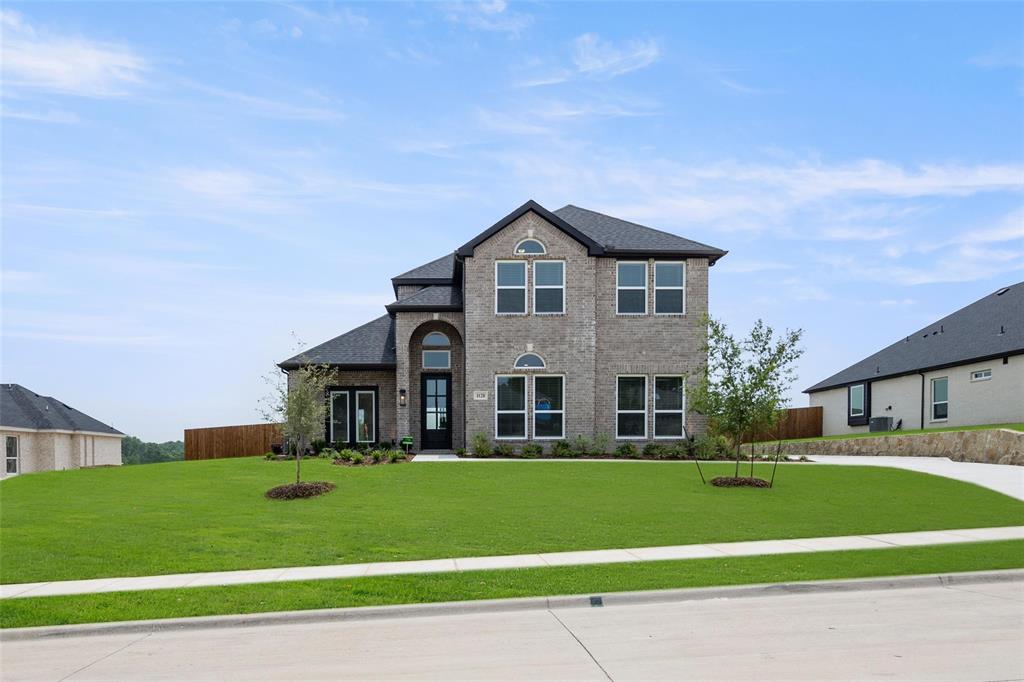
x=48, y=116
x=735, y=266
x=271, y=108
x=36, y=59
x=599, y=58
x=857, y=234
x=744, y=89
x=508, y=124
x=490, y=15
x=999, y=58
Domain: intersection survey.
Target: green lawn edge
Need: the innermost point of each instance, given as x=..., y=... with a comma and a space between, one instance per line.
x=499, y=584
x=901, y=432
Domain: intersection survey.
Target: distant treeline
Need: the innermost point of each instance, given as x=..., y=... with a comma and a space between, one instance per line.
x=135, y=451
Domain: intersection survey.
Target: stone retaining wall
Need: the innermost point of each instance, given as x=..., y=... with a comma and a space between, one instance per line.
x=992, y=446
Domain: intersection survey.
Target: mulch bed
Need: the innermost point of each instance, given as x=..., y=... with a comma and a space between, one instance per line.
x=294, y=491
x=368, y=462
x=739, y=482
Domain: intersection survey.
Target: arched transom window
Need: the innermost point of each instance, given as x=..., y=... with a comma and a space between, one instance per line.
x=530, y=247
x=436, y=339
x=529, y=361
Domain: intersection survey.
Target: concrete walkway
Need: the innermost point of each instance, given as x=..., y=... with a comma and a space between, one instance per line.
x=1003, y=478
x=581, y=558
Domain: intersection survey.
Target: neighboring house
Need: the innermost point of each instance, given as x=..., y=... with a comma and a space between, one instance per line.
x=547, y=325
x=44, y=434
x=965, y=369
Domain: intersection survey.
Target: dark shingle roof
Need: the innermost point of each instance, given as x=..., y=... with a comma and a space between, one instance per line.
x=441, y=269
x=442, y=297
x=371, y=346
x=988, y=328
x=21, y=408
x=621, y=236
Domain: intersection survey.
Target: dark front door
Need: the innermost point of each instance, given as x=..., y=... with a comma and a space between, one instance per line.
x=436, y=412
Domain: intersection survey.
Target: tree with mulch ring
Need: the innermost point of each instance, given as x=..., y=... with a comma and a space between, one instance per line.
x=295, y=491
x=739, y=482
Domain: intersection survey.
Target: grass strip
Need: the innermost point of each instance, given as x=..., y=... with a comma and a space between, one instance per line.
x=597, y=579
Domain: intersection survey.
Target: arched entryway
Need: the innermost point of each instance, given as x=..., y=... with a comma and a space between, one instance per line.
x=436, y=378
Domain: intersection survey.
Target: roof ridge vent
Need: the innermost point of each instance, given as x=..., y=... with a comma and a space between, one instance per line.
x=1002, y=330
x=1002, y=291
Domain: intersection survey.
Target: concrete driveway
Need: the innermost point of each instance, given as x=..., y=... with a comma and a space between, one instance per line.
x=1004, y=478
x=969, y=632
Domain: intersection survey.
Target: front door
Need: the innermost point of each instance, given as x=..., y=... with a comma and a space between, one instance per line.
x=436, y=412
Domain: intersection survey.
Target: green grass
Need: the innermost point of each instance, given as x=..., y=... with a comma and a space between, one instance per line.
x=906, y=432
x=211, y=515
x=600, y=579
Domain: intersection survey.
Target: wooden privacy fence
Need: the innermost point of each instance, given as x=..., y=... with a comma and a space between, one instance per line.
x=245, y=440
x=798, y=422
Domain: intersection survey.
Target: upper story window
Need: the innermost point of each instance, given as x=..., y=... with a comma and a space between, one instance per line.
x=436, y=339
x=530, y=247
x=669, y=285
x=510, y=287
x=548, y=287
x=529, y=361
x=631, y=288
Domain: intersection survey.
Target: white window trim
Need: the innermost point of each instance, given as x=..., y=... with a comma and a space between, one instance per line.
x=561, y=411
x=976, y=372
x=939, y=402
x=617, y=287
x=863, y=402
x=679, y=288
x=543, y=246
x=17, y=455
x=526, y=283
x=618, y=411
x=526, y=402
x=447, y=341
x=681, y=411
x=373, y=422
x=548, y=286
x=348, y=414
x=446, y=351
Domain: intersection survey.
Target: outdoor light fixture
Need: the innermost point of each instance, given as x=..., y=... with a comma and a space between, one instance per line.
x=401, y=397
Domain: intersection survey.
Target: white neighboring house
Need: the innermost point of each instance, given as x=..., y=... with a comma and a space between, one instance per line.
x=44, y=434
x=965, y=369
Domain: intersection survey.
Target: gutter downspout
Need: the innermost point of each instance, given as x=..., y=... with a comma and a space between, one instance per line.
x=922, y=400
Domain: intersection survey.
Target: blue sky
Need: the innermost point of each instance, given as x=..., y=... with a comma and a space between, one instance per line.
x=185, y=185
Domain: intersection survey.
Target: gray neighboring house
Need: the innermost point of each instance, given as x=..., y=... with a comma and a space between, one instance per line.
x=43, y=434
x=546, y=325
x=965, y=369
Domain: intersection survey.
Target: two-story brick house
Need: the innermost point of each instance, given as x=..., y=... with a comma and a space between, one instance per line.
x=547, y=325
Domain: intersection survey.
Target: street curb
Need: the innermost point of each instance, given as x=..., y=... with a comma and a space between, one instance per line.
x=363, y=613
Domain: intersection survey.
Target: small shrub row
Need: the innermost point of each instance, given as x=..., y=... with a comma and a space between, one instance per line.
x=349, y=457
x=704, y=447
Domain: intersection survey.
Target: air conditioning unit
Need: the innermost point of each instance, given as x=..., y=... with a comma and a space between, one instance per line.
x=880, y=424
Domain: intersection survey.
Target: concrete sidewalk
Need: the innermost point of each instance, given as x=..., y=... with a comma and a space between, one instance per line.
x=581, y=558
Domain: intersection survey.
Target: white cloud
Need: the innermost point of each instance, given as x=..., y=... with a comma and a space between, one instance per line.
x=999, y=59
x=491, y=15
x=741, y=88
x=602, y=59
x=270, y=108
x=858, y=234
x=48, y=116
x=1010, y=228
x=501, y=122
x=39, y=60
x=898, y=303
x=732, y=265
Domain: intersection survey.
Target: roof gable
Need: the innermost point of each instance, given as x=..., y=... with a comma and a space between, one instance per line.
x=24, y=409
x=371, y=345
x=593, y=248
x=990, y=327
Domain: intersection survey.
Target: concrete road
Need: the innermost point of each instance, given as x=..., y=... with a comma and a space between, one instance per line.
x=974, y=632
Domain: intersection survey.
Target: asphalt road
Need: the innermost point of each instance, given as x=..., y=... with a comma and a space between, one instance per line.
x=970, y=632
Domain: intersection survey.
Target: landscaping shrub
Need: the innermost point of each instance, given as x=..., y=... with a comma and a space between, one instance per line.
x=395, y=455
x=481, y=445
x=356, y=458
x=627, y=450
x=681, y=450
x=561, y=448
x=711, y=447
x=602, y=442
x=504, y=450
x=294, y=491
x=581, y=446
x=532, y=450
x=328, y=453
x=377, y=456
x=460, y=452
x=269, y=455
x=656, y=451
x=317, y=445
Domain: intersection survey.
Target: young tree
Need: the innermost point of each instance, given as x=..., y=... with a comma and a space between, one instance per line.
x=298, y=402
x=744, y=385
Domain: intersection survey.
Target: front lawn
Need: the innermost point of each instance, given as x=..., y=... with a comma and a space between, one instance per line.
x=600, y=579
x=211, y=515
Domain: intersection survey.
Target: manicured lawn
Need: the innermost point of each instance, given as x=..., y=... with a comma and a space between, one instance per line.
x=602, y=579
x=868, y=434
x=206, y=516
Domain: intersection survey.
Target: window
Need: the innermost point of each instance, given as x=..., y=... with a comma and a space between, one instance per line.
x=12, y=454
x=631, y=285
x=366, y=422
x=940, y=399
x=548, y=407
x=436, y=339
x=631, y=407
x=857, y=400
x=669, y=407
x=669, y=288
x=339, y=417
x=548, y=287
x=981, y=375
x=530, y=247
x=529, y=361
x=510, y=288
x=437, y=359
x=510, y=407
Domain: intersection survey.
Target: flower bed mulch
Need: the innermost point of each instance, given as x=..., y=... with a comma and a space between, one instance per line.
x=294, y=491
x=739, y=482
x=367, y=462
